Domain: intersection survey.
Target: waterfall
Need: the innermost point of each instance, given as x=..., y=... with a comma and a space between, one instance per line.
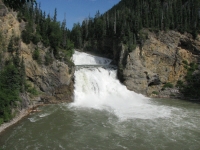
x=98, y=88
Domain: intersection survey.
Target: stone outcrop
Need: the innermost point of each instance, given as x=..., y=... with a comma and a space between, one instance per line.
x=158, y=61
x=54, y=81
x=3, y=9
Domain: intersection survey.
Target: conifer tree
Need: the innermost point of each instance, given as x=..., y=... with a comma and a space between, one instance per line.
x=11, y=46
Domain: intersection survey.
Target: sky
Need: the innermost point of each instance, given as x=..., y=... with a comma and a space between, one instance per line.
x=75, y=10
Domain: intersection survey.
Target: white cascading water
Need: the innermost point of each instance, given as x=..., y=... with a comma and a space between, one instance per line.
x=99, y=88
x=80, y=58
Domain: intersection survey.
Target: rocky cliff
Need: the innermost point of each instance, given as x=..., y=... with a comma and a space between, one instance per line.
x=53, y=82
x=159, y=61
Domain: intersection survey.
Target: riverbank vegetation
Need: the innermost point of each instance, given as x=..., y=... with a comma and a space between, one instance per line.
x=12, y=80
x=191, y=87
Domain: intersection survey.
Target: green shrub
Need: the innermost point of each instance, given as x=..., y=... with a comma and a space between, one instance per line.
x=191, y=87
x=131, y=47
x=179, y=84
x=36, y=56
x=1, y=121
x=185, y=66
x=46, y=42
x=70, y=45
x=36, y=38
x=7, y=115
x=26, y=37
x=19, y=16
x=69, y=53
x=167, y=85
x=1, y=57
x=143, y=35
x=48, y=59
x=193, y=66
x=155, y=92
x=33, y=91
x=185, y=62
x=69, y=63
x=11, y=46
x=30, y=89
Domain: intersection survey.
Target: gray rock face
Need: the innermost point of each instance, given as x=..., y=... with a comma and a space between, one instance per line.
x=134, y=74
x=55, y=80
x=159, y=61
x=3, y=9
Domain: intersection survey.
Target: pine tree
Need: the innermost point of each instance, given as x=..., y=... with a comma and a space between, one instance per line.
x=16, y=59
x=11, y=46
x=55, y=15
x=22, y=74
x=64, y=33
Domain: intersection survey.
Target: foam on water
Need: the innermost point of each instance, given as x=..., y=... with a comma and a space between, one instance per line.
x=34, y=119
x=98, y=88
x=44, y=115
x=38, y=116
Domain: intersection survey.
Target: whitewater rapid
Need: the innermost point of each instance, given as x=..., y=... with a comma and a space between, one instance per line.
x=99, y=88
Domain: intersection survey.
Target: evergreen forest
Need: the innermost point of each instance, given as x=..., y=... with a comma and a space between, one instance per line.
x=126, y=19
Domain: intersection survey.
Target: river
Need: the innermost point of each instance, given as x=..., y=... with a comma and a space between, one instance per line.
x=106, y=116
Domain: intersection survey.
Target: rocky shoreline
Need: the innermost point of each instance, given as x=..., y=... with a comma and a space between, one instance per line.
x=23, y=113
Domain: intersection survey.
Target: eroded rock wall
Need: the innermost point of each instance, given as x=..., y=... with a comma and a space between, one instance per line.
x=50, y=79
x=159, y=61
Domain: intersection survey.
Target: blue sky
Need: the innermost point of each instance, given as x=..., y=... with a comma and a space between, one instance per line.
x=76, y=10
